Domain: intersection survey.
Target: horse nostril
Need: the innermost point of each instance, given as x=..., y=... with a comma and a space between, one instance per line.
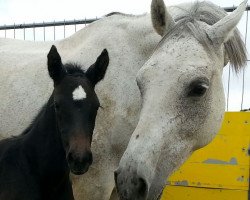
x=142, y=187
x=130, y=186
x=116, y=173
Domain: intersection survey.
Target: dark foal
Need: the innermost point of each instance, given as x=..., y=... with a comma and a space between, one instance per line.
x=36, y=164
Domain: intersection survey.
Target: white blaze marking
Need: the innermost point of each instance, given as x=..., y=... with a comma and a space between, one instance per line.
x=79, y=93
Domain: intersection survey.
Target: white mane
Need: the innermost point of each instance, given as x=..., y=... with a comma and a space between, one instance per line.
x=210, y=14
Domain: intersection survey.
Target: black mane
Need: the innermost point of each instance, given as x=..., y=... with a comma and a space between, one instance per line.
x=74, y=69
x=36, y=118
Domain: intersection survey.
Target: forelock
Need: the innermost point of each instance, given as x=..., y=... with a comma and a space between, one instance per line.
x=210, y=14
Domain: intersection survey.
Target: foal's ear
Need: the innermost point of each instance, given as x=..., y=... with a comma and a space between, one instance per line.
x=96, y=72
x=55, y=66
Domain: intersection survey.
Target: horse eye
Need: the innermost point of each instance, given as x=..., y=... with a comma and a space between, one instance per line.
x=198, y=89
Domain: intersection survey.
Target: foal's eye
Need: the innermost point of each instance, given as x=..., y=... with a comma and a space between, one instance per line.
x=100, y=107
x=198, y=88
x=56, y=105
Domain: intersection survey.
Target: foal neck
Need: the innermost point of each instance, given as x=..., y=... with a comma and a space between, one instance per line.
x=42, y=143
x=45, y=155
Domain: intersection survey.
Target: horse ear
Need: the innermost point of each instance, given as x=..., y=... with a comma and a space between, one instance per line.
x=96, y=72
x=222, y=30
x=161, y=19
x=55, y=66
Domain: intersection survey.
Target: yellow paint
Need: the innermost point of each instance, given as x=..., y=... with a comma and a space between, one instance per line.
x=192, y=193
x=218, y=171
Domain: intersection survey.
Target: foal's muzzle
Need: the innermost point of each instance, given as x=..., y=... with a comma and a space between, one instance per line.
x=79, y=164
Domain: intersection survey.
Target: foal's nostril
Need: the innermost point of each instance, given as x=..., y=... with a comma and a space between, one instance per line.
x=88, y=158
x=70, y=157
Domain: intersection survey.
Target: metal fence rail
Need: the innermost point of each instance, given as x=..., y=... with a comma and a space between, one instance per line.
x=72, y=22
x=46, y=24
x=231, y=9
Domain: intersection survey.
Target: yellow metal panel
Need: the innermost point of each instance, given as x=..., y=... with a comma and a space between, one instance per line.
x=193, y=193
x=220, y=168
x=230, y=149
x=236, y=124
x=214, y=176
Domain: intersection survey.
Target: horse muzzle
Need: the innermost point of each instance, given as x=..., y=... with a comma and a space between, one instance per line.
x=130, y=186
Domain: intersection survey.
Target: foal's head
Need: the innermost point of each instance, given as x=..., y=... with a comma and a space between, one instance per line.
x=76, y=106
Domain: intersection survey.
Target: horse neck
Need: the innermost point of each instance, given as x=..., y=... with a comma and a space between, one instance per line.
x=110, y=29
x=42, y=144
